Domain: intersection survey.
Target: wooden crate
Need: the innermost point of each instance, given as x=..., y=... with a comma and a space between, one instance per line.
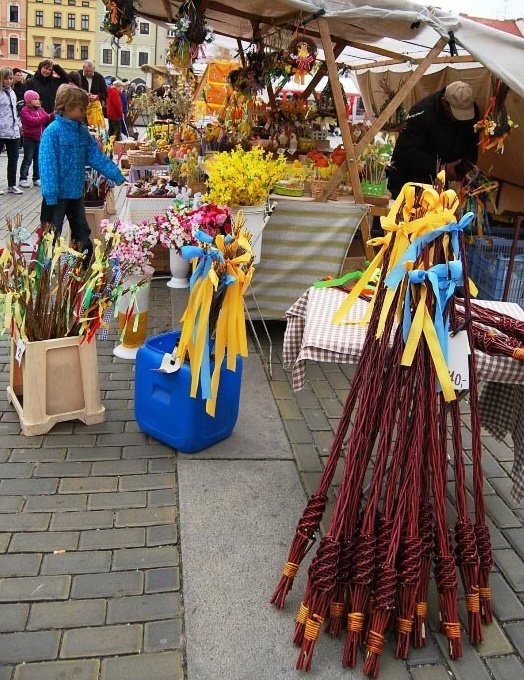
x=160, y=261
x=56, y=380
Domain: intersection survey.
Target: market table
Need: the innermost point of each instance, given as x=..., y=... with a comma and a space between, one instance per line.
x=311, y=335
x=137, y=209
x=137, y=172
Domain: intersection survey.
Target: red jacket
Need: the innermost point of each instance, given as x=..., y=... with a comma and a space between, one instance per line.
x=34, y=121
x=114, y=104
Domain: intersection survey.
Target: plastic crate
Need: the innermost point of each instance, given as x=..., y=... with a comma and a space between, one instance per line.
x=488, y=261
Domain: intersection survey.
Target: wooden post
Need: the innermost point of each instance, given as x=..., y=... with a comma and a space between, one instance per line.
x=345, y=130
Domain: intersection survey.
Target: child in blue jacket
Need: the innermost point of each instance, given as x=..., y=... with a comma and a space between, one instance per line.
x=65, y=150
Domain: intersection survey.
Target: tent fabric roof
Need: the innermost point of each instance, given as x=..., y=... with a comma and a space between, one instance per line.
x=401, y=27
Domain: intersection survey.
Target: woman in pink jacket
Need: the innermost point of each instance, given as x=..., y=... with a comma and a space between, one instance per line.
x=34, y=119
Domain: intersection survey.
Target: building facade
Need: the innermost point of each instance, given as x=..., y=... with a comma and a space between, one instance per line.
x=125, y=60
x=63, y=30
x=13, y=33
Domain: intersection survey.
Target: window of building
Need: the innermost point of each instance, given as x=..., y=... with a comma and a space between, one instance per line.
x=57, y=51
x=70, y=51
x=84, y=52
x=84, y=22
x=143, y=58
x=39, y=17
x=58, y=2
x=13, y=45
x=39, y=48
x=107, y=57
x=125, y=58
x=144, y=28
x=71, y=21
x=71, y=2
x=57, y=19
x=13, y=14
x=85, y=3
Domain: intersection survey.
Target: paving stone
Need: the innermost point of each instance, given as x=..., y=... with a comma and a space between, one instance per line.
x=498, y=540
x=162, y=465
x=165, y=480
x=88, y=484
x=288, y=409
x=13, y=441
x=41, y=455
x=161, y=580
x=322, y=389
x=506, y=667
x=512, y=567
x=13, y=618
x=70, y=614
x=160, y=635
x=323, y=442
x=310, y=481
x=63, y=469
x=145, y=558
x=281, y=390
x=27, y=487
x=4, y=542
x=332, y=407
x=163, y=666
x=429, y=654
x=119, y=415
x=131, y=438
x=164, y=534
x=24, y=521
x=87, y=669
x=391, y=668
x=145, y=517
x=112, y=538
x=161, y=497
x=86, y=519
x=56, y=503
x=469, y=666
x=506, y=604
x=15, y=470
x=430, y=673
x=306, y=457
x=500, y=513
x=101, y=641
x=499, y=450
x=503, y=488
x=99, y=428
x=153, y=451
x=20, y=565
x=316, y=419
x=306, y=398
x=120, y=467
x=297, y=431
x=119, y=499
x=32, y=588
x=516, y=538
x=144, y=608
x=515, y=631
x=495, y=642
x=11, y=503
x=44, y=542
x=337, y=380
x=25, y=647
x=6, y=672
x=77, y=562
x=65, y=440
x=95, y=454
x=109, y=584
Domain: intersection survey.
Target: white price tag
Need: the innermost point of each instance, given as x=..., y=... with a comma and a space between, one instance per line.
x=458, y=364
x=20, y=349
x=169, y=364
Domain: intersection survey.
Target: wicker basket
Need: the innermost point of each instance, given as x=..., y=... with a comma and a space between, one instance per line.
x=141, y=158
x=318, y=185
x=198, y=187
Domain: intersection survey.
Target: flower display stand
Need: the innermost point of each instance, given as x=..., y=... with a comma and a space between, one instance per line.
x=179, y=270
x=56, y=380
x=133, y=324
x=164, y=409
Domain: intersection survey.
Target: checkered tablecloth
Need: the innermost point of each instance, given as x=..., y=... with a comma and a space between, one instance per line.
x=311, y=335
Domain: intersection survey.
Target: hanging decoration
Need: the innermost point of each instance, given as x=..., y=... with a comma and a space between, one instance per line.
x=190, y=33
x=302, y=53
x=496, y=125
x=120, y=18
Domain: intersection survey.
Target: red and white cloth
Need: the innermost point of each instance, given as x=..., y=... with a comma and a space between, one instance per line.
x=311, y=335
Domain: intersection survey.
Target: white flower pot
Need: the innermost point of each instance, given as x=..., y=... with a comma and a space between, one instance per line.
x=256, y=217
x=179, y=269
x=135, y=331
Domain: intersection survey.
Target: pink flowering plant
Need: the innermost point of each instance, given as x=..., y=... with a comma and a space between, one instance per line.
x=211, y=219
x=133, y=244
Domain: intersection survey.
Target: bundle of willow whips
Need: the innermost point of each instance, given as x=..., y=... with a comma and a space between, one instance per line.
x=372, y=567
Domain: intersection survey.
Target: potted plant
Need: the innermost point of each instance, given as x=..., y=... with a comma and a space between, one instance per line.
x=243, y=180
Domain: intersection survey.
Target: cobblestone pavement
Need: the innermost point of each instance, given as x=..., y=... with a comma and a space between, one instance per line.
x=90, y=554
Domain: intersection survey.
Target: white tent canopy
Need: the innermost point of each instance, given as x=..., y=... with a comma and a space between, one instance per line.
x=395, y=29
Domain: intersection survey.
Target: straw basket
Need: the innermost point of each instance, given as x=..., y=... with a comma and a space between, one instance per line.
x=198, y=187
x=161, y=157
x=318, y=185
x=141, y=158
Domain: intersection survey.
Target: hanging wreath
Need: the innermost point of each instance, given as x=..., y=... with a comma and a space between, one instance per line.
x=302, y=53
x=190, y=32
x=496, y=125
x=120, y=18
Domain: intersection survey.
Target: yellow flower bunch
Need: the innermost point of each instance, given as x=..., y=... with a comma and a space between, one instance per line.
x=241, y=177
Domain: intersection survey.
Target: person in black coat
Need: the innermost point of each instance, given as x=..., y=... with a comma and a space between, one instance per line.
x=46, y=81
x=93, y=82
x=19, y=84
x=439, y=133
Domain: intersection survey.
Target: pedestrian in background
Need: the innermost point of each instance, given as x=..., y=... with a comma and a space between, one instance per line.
x=93, y=82
x=114, y=109
x=34, y=119
x=9, y=128
x=46, y=81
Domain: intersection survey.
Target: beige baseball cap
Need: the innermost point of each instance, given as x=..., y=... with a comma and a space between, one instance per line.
x=459, y=96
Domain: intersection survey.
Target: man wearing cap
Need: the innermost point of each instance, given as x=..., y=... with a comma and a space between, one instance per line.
x=439, y=133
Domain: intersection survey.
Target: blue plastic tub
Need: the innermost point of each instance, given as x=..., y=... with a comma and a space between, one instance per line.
x=164, y=409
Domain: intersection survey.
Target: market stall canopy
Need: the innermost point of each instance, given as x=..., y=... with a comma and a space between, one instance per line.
x=392, y=29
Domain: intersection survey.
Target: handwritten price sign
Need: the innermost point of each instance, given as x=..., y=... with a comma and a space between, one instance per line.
x=458, y=360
